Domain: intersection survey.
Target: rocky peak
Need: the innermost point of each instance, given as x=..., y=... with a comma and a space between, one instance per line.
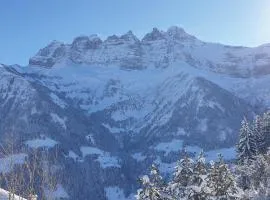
x=48, y=55
x=80, y=43
x=154, y=35
x=51, y=49
x=83, y=43
x=158, y=47
x=178, y=33
x=95, y=41
x=94, y=37
x=112, y=38
x=129, y=37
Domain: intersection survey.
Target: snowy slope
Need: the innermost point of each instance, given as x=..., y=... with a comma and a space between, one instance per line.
x=5, y=195
x=243, y=68
x=132, y=104
x=113, y=107
x=158, y=49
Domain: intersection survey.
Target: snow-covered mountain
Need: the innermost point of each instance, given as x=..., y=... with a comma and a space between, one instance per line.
x=115, y=106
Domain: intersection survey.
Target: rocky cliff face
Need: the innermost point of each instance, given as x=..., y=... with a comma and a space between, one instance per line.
x=113, y=107
x=158, y=49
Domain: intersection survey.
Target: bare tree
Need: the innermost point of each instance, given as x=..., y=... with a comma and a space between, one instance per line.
x=10, y=178
x=38, y=174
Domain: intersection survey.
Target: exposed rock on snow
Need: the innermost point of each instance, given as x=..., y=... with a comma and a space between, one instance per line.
x=116, y=105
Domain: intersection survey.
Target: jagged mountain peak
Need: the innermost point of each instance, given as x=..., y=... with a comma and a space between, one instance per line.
x=112, y=38
x=126, y=38
x=130, y=37
x=178, y=33
x=176, y=29
x=91, y=49
x=48, y=55
x=94, y=37
x=82, y=43
x=173, y=32
x=50, y=48
x=155, y=34
x=159, y=49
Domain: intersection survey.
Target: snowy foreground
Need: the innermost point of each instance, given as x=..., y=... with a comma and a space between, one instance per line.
x=248, y=178
x=5, y=195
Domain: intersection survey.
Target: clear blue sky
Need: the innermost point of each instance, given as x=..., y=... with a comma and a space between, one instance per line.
x=28, y=25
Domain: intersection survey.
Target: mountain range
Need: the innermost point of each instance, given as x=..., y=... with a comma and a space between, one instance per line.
x=112, y=107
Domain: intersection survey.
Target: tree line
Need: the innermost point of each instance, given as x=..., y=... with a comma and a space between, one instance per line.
x=248, y=177
x=36, y=177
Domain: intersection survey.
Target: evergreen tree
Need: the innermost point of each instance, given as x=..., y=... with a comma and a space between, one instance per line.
x=243, y=175
x=147, y=192
x=156, y=178
x=144, y=192
x=195, y=181
x=266, y=128
x=152, y=188
x=220, y=181
x=258, y=175
x=199, y=170
x=184, y=171
x=182, y=178
x=198, y=179
x=259, y=134
x=247, y=148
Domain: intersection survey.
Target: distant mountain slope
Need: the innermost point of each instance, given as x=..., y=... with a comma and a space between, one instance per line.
x=112, y=107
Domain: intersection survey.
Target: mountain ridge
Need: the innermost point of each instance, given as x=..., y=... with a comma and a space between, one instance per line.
x=158, y=49
x=115, y=106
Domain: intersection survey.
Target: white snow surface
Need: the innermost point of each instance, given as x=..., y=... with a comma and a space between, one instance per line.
x=60, y=120
x=87, y=85
x=73, y=155
x=96, y=87
x=114, y=129
x=5, y=195
x=139, y=156
x=116, y=193
x=16, y=88
x=172, y=146
x=227, y=153
x=58, y=101
x=42, y=142
x=177, y=145
x=237, y=68
x=105, y=159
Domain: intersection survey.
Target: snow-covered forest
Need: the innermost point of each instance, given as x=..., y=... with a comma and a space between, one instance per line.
x=248, y=177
